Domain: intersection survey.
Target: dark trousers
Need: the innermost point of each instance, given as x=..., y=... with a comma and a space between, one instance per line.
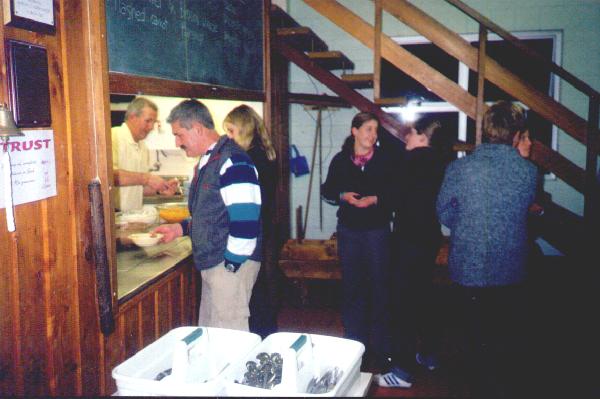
x=263, y=302
x=263, y=314
x=364, y=257
x=414, y=304
x=496, y=334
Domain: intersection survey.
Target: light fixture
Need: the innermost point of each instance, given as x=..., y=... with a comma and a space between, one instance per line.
x=8, y=129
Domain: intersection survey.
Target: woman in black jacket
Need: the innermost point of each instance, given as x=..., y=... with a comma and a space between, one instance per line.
x=248, y=130
x=416, y=242
x=358, y=181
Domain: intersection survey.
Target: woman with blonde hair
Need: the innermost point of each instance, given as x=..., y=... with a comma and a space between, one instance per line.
x=247, y=129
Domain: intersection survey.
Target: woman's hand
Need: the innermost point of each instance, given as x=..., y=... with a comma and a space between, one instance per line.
x=351, y=197
x=169, y=231
x=366, y=202
x=358, y=201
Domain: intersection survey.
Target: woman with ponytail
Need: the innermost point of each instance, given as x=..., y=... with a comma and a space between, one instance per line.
x=248, y=130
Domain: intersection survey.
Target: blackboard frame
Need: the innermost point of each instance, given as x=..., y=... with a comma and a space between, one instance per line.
x=122, y=83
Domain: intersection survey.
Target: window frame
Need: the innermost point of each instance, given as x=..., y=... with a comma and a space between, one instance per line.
x=463, y=79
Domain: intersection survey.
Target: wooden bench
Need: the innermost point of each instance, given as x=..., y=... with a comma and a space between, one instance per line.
x=318, y=260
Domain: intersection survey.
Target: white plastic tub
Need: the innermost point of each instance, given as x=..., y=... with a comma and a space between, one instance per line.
x=311, y=357
x=197, y=357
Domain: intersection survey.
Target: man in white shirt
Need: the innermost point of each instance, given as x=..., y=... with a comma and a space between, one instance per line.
x=131, y=158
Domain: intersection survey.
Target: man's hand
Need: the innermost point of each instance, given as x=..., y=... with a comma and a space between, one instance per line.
x=156, y=183
x=173, y=187
x=169, y=231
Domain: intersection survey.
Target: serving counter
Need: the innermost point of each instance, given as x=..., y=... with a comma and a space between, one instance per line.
x=137, y=268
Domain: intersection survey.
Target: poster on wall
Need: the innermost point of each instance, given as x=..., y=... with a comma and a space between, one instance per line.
x=33, y=167
x=34, y=15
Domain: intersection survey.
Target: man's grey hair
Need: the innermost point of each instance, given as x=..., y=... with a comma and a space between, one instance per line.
x=137, y=105
x=189, y=111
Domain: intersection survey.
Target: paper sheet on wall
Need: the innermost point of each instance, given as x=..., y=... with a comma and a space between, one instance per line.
x=33, y=167
x=36, y=10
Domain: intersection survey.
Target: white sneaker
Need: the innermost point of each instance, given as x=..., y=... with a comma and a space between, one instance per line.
x=395, y=378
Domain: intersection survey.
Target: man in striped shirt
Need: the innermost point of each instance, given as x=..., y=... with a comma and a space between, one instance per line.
x=224, y=202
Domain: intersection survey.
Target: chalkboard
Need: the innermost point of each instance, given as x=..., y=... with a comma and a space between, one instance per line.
x=217, y=42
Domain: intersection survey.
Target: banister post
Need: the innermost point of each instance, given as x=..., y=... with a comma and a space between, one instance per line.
x=377, y=52
x=480, y=83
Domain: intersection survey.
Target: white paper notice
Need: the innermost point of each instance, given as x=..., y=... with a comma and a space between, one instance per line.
x=36, y=10
x=33, y=167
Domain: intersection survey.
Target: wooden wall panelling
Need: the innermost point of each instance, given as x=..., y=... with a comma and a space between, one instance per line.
x=191, y=295
x=147, y=320
x=163, y=299
x=29, y=333
x=131, y=332
x=11, y=374
x=46, y=315
x=146, y=317
x=87, y=112
x=112, y=354
x=62, y=314
x=176, y=301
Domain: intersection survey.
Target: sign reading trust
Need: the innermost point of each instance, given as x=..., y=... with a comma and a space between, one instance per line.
x=33, y=167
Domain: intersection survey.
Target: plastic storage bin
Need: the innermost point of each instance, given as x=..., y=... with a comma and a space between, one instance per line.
x=197, y=357
x=305, y=356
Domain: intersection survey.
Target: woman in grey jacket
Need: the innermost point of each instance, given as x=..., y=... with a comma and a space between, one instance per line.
x=484, y=201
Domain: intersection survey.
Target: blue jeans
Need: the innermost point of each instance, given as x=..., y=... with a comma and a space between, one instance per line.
x=365, y=260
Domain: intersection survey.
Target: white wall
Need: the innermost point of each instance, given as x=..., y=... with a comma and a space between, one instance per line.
x=578, y=20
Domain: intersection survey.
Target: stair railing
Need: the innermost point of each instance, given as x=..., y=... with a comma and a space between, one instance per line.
x=591, y=188
x=592, y=140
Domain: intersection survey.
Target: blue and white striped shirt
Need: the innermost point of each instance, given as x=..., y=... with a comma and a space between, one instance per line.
x=240, y=190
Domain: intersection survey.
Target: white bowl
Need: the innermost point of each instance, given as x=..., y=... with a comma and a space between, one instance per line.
x=137, y=218
x=145, y=239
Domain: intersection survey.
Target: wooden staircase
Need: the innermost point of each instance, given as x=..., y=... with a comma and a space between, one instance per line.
x=304, y=48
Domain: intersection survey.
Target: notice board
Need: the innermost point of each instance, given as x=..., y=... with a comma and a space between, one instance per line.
x=216, y=42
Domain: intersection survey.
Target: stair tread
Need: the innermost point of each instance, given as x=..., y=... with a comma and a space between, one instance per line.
x=280, y=18
x=391, y=101
x=358, y=80
x=302, y=38
x=331, y=59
